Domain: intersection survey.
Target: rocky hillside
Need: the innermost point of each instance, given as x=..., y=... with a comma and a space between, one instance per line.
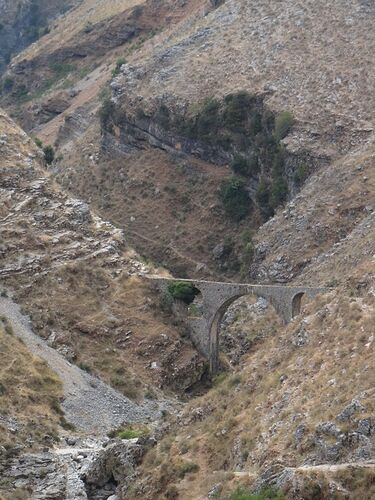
x=296, y=416
x=227, y=139
x=30, y=392
x=80, y=283
x=24, y=22
x=194, y=106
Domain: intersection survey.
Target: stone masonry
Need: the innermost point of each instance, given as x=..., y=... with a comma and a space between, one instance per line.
x=216, y=297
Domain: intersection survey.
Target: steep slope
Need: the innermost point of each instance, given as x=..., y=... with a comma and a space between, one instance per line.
x=25, y=22
x=80, y=283
x=29, y=397
x=327, y=230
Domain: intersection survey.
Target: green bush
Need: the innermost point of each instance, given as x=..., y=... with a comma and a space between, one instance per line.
x=130, y=434
x=248, y=253
x=187, y=468
x=263, y=197
x=106, y=111
x=49, y=154
x=236, y=109
x=208, y=119
x=235, y=198
x=301, y=173
x=279, y=191
x=166, y=302
x=181, y=290
x=245, y=166
x=38, y=142
x=283, y=123
x=117, y=68
x=61, y=69
x=162, y=116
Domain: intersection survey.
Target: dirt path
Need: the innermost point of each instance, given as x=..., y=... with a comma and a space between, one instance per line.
x=318, y=468
x=91, y=405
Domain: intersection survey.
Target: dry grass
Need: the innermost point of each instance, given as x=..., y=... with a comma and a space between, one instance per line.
x=108, y=325
x=29, y=393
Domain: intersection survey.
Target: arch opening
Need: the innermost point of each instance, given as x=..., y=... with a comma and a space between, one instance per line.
x=239, y=324
x=297, y=304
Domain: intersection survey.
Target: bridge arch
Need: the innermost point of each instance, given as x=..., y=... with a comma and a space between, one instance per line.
x=297, y=304
x=215, y=324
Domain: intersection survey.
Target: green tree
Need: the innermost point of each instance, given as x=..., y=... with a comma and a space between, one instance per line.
x=235, y=198
x=49, y=154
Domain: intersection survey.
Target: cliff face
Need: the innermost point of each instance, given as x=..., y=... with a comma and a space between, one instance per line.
x=22, y=23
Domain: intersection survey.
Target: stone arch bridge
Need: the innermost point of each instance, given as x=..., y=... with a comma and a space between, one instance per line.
x=216, y=297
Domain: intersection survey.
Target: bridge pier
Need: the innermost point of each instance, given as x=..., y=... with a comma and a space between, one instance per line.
x=217, y=297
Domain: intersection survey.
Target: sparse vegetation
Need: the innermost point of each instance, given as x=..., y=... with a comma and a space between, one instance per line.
x=302, y=173
x=38, y=142
x=265, y=494
x=240, y=125
x=117, y=68
x=283, y=123
x=245, y=166
x=106, y=111
x=29, y=392
x=187, y=468
x=7, y=84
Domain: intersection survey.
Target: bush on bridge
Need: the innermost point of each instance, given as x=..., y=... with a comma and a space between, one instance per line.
x=182, y=290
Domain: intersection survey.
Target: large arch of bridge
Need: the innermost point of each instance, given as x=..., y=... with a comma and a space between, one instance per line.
x=214, y=327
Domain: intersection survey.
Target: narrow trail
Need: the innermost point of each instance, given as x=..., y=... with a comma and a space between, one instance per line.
x=319, y=468
x=89, y=404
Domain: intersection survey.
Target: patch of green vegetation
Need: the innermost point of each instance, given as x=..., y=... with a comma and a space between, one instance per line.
x=7, y=84
x=106, y=112
x=248, y=132
x=85, y=367
x=38, y=142
x=283, y=123
x=263, y=196
x=184, y=291
x=246, y=166
x=301, y=173
x=129, y=432
x=49, y=154
x=235, y=198
x=265, y=494
x=219, y=379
